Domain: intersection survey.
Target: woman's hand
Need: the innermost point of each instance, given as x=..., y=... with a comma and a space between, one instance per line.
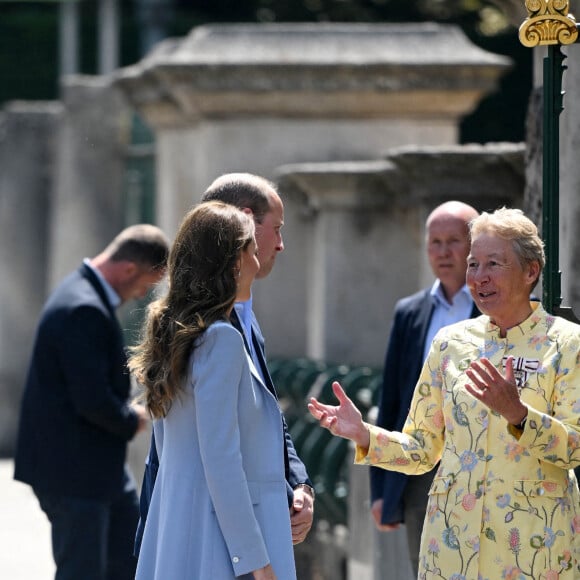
x=499, y=393
x=344, y=420
x=265, y=573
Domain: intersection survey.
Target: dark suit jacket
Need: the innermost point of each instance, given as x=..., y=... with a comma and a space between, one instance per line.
x=295, y=469
x=403, y=363
x=74, y=422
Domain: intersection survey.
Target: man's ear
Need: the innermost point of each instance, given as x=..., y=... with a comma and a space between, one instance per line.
x=248, y=211
x=128, y=269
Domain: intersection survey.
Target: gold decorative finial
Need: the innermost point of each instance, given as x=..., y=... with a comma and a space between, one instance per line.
x=548, y=22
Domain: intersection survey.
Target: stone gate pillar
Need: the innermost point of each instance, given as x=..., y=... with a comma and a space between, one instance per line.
x=28, y=135
x=570, y=181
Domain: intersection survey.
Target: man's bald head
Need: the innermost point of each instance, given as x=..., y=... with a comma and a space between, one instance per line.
x=447, y=231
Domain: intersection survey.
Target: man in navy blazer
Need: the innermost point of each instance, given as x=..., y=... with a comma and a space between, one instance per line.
x=397, y=498
x=75, y=421
x=258, y=197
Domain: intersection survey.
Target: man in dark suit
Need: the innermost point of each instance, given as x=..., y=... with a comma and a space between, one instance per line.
x=397, y=498
x=258, y=197
x=75, y=421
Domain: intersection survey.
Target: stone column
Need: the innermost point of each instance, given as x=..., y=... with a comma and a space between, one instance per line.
x=570, y=181
x=28, y=135
x=357, y=232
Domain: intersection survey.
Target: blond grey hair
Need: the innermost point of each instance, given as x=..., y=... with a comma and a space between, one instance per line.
x=512, y=225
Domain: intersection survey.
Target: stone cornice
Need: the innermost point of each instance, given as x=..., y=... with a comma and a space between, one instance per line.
x=410, y=175
x=305, y=70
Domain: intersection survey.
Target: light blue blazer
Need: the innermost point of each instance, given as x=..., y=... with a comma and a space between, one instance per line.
x=219, y=507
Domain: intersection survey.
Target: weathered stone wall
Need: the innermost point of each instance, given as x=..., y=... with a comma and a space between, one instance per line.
x=28, y=137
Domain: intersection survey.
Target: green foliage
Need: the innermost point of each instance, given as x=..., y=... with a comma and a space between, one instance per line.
x=501, y=116
x=28, y=51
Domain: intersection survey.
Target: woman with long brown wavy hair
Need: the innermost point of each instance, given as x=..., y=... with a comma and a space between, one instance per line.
x=219, y=507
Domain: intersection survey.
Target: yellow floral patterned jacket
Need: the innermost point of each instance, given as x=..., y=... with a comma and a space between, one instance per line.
x=504, y=503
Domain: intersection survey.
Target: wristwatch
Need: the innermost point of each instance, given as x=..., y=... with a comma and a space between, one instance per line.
x=308, y=488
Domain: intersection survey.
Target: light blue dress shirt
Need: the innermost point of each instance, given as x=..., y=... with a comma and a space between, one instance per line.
x=445, y=313
x=246, y=315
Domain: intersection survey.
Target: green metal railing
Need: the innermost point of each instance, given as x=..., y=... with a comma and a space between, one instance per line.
x=327, y=458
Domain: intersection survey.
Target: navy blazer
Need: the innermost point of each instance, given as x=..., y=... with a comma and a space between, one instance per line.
x=295, y=469
x=74, y=421
x=403, y=363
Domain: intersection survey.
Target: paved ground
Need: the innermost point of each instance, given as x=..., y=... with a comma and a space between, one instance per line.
x=24, y=531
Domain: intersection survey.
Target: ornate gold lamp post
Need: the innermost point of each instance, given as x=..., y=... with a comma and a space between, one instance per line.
x=551, y=24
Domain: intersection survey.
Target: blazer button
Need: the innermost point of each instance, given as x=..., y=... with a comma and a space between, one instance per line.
x=235, y=559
